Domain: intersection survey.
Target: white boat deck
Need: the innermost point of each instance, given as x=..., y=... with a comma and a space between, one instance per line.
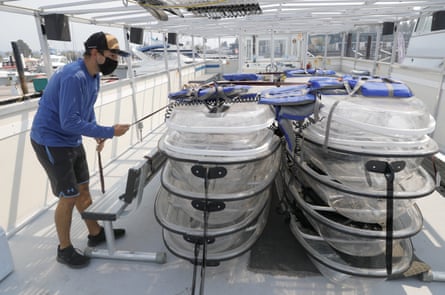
x=37, y=272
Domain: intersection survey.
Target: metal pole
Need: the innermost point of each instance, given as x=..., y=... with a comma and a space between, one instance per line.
x=305, y=45
x=19, y=67
x=219, y=56
x=325, y=50
x=357, y=45
x=169, y=87
x=130, y=75
x=394, y=49
x=242, y=52
x=377, y=49
x=178, y=53
x=43, y=45
x=272, y=48
x=193, y=56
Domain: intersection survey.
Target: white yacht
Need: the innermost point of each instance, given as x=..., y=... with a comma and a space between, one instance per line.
x=221, y=193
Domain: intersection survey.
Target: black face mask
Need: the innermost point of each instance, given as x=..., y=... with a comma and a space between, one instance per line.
x=108, y=66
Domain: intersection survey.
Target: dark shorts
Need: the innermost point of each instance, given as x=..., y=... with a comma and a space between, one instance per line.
x=66, y=167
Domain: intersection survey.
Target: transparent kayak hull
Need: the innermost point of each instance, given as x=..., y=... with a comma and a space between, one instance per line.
x=183, y=215
x=222, y=247
x=350, y=170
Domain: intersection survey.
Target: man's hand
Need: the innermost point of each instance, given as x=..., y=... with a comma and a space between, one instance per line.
x=100, y=144
x=121, y=129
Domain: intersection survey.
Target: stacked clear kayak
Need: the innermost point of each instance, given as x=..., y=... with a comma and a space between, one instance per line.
x=222, y=158
x=353, y=173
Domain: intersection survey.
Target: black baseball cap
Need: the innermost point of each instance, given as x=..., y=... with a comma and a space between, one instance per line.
x=104, y=41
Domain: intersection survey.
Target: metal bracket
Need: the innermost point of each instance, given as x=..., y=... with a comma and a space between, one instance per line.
x=210, y=173
x=198, y=240
x=209, y=206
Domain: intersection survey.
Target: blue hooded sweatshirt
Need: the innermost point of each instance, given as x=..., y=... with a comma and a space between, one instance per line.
x=66, y=108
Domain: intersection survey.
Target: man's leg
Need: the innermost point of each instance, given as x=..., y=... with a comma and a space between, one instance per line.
x=84, y=201
x=62, y=219
x=66, y=253
x=96, y=232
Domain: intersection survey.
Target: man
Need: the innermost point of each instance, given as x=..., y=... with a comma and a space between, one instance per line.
x=65, y=114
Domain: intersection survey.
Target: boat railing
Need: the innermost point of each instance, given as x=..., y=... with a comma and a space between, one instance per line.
x=26, y=192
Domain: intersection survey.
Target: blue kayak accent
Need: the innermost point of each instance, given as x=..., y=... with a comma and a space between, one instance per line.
x=381, y=87
x=292, y=103
x=386, y=89
x=324, y=82
x=289, y=95
x=242, y=77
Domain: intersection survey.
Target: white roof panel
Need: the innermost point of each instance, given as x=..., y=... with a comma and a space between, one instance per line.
x=285, y=16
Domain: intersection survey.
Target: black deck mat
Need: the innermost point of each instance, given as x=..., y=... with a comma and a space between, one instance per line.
x=277, y=251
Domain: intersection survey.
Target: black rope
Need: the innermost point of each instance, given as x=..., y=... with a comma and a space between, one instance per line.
x=148, y=116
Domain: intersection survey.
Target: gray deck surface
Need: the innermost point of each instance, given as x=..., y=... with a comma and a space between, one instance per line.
x=37, y=272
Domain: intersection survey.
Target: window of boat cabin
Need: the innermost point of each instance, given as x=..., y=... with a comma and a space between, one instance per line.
x=431, y=22
x=265, y=48
x=424, y=24
x=438, y=21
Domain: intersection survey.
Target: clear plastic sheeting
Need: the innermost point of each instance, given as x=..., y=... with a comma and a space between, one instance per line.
x=241, y=181
x=237, y=134
x=238, y=118
x=222, y=159
x=357, y=238
x=389, y=116
x=365, y=209
x=351, y=182
x=178, y=214
x=211, y=147
x=223, y=247
x=347, y=270
x=350, y=170
x=374, y=125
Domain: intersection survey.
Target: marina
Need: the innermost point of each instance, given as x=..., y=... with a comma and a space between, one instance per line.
x=307, y=158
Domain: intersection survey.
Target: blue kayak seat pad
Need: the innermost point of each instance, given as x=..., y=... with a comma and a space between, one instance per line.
x=289, y=95
x=380, y=87
x=242, y=77
x=324, y=82
x=291, y=102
